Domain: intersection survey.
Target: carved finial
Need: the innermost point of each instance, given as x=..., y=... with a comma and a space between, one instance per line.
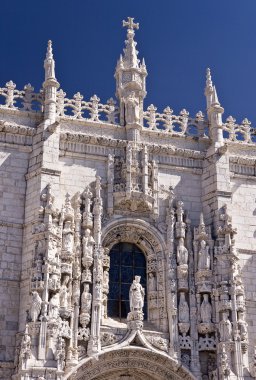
x=49, y=54
x=208, y=78
x=130, y=24
x=202, y=219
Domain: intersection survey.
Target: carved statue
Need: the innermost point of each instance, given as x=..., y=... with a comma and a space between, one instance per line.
x=88, y=242
x=54, y=305
x=183, y=309
x=136, y=295
x=64, y=292
x=25, y=347
x=60, y=353
x=182, y=253
x=35, y=307
x=105, y=280
x=132, y=109
x=86, y=300
x=151, y=282
x=206, y=310
x=225, y=328
x=242, y=325
x=204, y=259
x=68, y=240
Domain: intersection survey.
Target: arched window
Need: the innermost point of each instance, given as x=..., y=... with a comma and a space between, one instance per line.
x=126, y=261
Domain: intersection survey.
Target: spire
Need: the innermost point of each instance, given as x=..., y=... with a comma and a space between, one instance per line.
x=214, y=111
x=208, y=88
x=215, y=100
x=130, y=77
x=50, y=86
x=130, y=52
x=49, y=63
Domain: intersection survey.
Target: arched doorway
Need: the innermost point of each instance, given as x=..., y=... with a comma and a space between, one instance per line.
x=130, y=363
x=126, y=262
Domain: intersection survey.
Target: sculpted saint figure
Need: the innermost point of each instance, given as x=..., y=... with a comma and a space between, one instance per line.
x=35, y=307
x=242, y=325
x=151, y=282
x=136, y=295
x=54, y=305
x=183, y=309
x=68, y=240
x=204, y=259
x=64, y=292
x=206, y=310
x=88, y=243
x=132, y=109
x=225, y=328
x=182, y=253
x=86, y=299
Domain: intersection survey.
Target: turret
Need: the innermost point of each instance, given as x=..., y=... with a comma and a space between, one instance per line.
x=50, y=86
x=214, y=111
x=130, y=77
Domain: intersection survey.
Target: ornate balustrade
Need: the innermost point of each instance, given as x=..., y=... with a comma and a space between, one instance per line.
x=77, y=108
x=93, y=110
x=239, y=132
x=177, y=125
x=25, y=100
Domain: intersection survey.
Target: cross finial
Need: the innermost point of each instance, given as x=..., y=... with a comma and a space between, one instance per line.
x=130, y=24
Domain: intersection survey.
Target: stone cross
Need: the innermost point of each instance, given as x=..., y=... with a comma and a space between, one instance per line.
x=130, y=24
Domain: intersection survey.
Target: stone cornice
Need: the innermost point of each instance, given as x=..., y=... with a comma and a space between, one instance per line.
x=39, y=171
x=68, y=141
x=13, y=133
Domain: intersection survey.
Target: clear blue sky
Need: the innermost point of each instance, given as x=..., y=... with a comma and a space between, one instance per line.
x=178, y=40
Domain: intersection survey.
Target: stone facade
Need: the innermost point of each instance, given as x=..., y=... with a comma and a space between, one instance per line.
x=77, y=178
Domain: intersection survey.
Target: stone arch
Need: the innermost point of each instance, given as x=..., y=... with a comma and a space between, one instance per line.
x=152, y=243
x=130, y=363
x=136, y=231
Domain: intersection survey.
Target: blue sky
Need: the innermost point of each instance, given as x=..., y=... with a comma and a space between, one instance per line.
x=178, y=40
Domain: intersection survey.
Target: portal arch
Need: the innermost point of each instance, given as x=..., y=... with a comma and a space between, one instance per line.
x=130, y=363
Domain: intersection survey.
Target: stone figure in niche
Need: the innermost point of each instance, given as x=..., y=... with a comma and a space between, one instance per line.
x=242, y=325
x=183, y=309
x=182, y=253
x=52, y=249
x=64, y=292
x=225, y=328
x=206, y=310
x=88, y=242
x=35, y=307
x=105, y=280
x=151, y=282
x=86, y=300
x=204, y=259
x=54, y=305
x=136, y=295
x=98, y=291
x=68, y=240
x=132, y=109
x=38, y=276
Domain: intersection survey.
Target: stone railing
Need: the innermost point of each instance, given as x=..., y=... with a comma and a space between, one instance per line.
x=25, y=100
x=93, y=110
x=239, y=132
x=180, y=125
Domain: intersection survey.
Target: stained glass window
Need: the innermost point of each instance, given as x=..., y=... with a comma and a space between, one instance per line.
x=126, y=262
